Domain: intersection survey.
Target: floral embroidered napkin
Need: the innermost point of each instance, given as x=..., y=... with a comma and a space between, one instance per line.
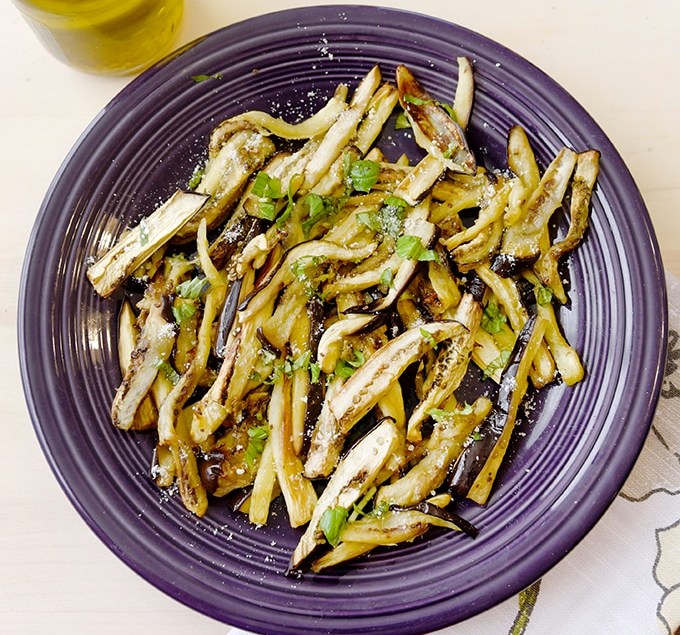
x=624, y=577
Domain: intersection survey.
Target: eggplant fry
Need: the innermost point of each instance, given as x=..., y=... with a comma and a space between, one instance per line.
x=315, y=345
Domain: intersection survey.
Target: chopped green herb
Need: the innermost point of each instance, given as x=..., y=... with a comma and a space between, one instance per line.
x=292, y=186
x=196, y=177
x=364, y=174
x=543, y=294
x=256, y=442
x=465, y=409
x=266, y=186
x=203, y=78
x=301, y=267
x=493, y=318
x=449, y=110
x=192, y=289
x=168, y=371
x=314, y=372
x=427, y=336
x=411, y=248
x=268, y=190
x=387, y=278
x=388, y=220
x=183, y=309
x=438, y=414
x=332, y=523
x=416, y=101
x=402, y=122
x=301, y=363
x=391, y=216
x=345, y=368
x=382, y=509
x=476, y=435
x=358, y=508
x=370, y=220
x=267, y=209
x=497, y=364
x=319, y=207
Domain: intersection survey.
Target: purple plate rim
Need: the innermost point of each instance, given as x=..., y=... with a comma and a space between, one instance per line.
x=646, y=277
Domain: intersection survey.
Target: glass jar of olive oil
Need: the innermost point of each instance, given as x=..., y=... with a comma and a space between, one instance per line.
x=105, y=36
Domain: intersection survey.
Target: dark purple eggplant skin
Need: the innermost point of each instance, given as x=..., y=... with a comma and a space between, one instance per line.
x=432, y=510
x=210, y=468
x=506, y=265
x=227, y=317
x=475, y=287
x=315, y=394
x=232, y=239
x=472, y=459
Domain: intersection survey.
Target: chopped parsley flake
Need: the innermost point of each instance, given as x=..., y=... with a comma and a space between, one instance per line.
x=427, y=336
x=192, y=289
x=543, y=294
x=493, y=318
x=256, y=442
x=168, y=371
x=345, y=368
x=387, y=278
x=497, y=364
x=364, y=174
x=196, y=177
x=202, y=78
x=411, y=248
x=332, y=523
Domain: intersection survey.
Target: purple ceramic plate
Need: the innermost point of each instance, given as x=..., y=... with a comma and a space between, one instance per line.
x=562, y=473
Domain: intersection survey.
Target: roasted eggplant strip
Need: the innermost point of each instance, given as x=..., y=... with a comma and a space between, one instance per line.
x=465, y=92
x=521, y=240
x=342, y=130
x=385, y=528
x=138, y=244
x=365, y=387
x=587, y=169
x=450, y=366
x=210, y=412
x=416, y=225
x=285, y=272
x=442, y=448
x=263, y=487
x=331, y=342
x=419, y=180
x=476, y=468
x=566, y=358
x=507, y=294
x=297, y=491
x=153, y=349
x=313, y=126
x=226, y=176
x=481, y=249
x=489, y=214
x=191, y=488
x=353, y=475
x=128, y=335
x=433, y=129
x=522, y=162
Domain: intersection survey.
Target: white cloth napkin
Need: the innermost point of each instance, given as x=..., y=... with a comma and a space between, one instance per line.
x=624, y=577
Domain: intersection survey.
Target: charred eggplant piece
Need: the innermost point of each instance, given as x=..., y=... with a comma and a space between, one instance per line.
x=434, y=130
x=137, y=244
x=475, y=470
x=352, y=477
